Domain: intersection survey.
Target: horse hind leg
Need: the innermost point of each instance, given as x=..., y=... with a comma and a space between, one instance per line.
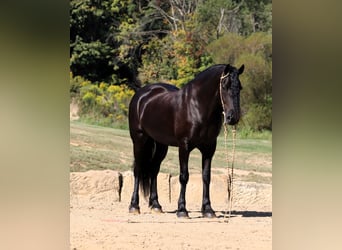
x=134, y=205
x=158, y=156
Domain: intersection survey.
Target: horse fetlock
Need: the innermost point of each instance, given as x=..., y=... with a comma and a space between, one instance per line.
x=156, y=210
x=154, y=204
x=182, y=213
x=134, y=209
x=208, y=212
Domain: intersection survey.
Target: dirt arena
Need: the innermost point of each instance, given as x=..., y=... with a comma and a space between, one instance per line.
x=99, y=217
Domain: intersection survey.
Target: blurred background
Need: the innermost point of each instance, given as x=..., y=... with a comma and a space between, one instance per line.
x=306, y=120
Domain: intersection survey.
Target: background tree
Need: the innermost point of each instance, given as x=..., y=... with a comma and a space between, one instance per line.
x=133, y=43
x=90, y=54
x=255, y=51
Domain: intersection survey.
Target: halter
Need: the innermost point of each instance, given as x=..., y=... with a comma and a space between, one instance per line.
x=222, y=102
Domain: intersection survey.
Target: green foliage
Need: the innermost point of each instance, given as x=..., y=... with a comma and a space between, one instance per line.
x=176, y=59
x=91, y=60
x=188, y=52
x=103, y=104
x=120, y=43
x=75, y=85
x=226, y=49
x=218, y=17
x=213, y=17
x=259, y=117
x=255, y=16
x=101, y=45
x=255, y=52
x=158, y=63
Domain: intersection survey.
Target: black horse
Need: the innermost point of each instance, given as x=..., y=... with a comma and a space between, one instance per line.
x=161, y=115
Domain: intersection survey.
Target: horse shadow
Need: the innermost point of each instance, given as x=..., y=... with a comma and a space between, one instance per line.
x=234, y=213
x=255, y=214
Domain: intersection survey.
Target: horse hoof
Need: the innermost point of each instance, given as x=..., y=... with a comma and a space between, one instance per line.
x=209, y=215
x=156, y=210
x=134, y=210
x=183, y=214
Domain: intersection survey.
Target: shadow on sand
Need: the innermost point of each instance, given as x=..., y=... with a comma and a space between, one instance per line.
x=234, y=213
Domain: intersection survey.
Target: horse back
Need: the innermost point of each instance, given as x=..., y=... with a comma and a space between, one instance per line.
x=152, y=112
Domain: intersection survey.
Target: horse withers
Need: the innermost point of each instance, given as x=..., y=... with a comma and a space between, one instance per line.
x=161, y=115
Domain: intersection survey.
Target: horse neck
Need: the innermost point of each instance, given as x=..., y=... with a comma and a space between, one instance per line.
x=208, y=89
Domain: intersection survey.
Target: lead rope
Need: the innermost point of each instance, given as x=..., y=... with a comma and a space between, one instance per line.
x=229, y=174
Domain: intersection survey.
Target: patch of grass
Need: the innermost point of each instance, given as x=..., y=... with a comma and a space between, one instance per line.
x=247, y=145
x=250, y=154
x=256, y=178
x=246, y=133
x=96, y=147
x=103, y=122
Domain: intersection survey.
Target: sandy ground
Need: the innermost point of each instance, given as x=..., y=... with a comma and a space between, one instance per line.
x=99, y=217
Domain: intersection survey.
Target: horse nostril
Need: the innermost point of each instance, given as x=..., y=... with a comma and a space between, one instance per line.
x=230, y=116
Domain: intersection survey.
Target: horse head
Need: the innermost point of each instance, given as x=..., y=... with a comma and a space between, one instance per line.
x=230, y=87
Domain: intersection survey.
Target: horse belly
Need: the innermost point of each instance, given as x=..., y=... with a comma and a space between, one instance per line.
x=159, y=126
x=163, y=137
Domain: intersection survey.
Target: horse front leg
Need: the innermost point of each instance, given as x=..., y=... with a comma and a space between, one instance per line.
x=207, y=155
x=183, y=179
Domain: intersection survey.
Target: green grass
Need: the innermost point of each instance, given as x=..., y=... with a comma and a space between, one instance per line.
x=96, y=147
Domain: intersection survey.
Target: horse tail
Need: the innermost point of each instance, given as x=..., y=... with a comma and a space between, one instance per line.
x=145, y=170
x=145, y=183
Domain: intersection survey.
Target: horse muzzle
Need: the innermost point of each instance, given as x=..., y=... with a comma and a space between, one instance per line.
x=231, y=117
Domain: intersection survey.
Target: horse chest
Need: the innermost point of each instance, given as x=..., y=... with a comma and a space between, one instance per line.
x=208, y=133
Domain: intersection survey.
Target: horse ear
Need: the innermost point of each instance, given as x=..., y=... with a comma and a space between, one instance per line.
x=227, y=68
x=241, y=69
